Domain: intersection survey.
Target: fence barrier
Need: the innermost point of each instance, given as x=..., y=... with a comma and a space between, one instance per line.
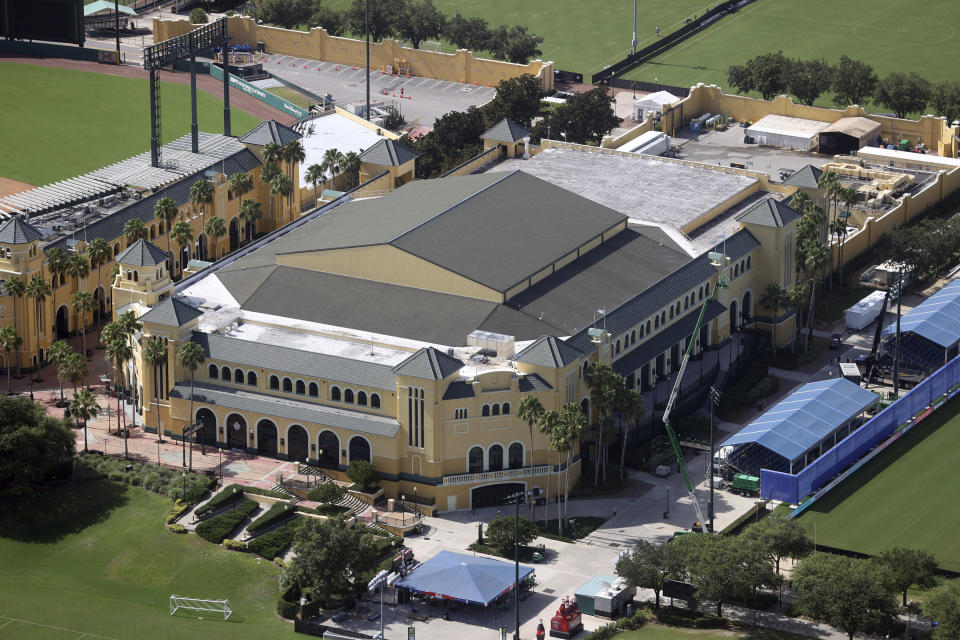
x=260, y=94
x=49, y=50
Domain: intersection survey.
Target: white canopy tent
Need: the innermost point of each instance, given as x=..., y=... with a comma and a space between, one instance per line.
x=790, y=133
x=653, y=103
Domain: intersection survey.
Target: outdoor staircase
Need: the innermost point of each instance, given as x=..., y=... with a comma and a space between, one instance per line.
x=355, y=505
x=282, y=489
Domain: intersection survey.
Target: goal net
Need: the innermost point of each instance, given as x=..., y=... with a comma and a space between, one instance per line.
x=197, y=604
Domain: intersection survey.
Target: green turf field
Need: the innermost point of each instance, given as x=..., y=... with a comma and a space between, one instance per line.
x=891, y=35
x=94, y=558
x=58, y=123
x=905, y=497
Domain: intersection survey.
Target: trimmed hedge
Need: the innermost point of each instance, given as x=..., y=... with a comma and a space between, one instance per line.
x=607, y=631
x=275, y=513
x=177, y=528
x=166, y=482
x=331, y=510
x=179, y=508
x=235, y=545
x=217, y=528
x=289, y=602
x=310, y=610
x=226, y=496
x=690, y=619
x=263, y=492
x=273, y=544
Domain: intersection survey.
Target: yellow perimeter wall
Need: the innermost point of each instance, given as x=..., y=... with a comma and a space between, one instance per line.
x=461, y=66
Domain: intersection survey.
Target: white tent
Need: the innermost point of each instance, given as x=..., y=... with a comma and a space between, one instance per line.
x=653, y=103
x=790, y=133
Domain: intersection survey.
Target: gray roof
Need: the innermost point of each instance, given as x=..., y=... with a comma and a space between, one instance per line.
x=387, y=153
x=111, y=227
x=505, y=131
x=458, y=390
x=548, y=351
x=806, y=177
x=304, y=363
x=262, y=404
x=769, y=213
x=171, y=312
x=653, y=298
x=533, y=382
x=430, y=364
x=142, y=254
x=16, y=231
x=269, y=131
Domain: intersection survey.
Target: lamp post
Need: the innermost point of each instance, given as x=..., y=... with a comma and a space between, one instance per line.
x=183, y=495
x=379, y=582
x=220, y=463
x=403, y=512
x=714, y=400
x=516, y=499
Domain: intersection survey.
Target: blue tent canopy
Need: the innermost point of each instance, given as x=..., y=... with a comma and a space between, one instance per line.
x=935, y=318
x=804, y=418
x=457, y=576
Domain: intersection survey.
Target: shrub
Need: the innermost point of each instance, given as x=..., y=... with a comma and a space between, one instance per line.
x=289, y=602
x=310, y=610
x=198, y=16
x=177, y=528
x=264, y=492
x=277, y=512
x=500, y=533
x=364, y=474
x=179, y=508
x=331, y=510
x=329, y=492
x=273, y=544
x=235, y=545
x=219, y=527
x=226, y=496
x=163, y=481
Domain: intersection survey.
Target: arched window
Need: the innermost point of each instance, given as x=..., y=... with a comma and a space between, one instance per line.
x=648, y=327
x=748, y=261
x=475, y=460
x=700, y=295
x=274, y=382
x=314, y=390
x=515, y=456
x=160, y=228
x=496, y=409
x=251, y=378
x=618, y=347
x=335, y=393
x=671, y=313
x=348, y=396
x=663, y=317
x=238, y=376
x=359, y=449
x=485, y=410
x=287, y=385
x=633, y=337
x=506, y=408
x=301, y=388
x=495, y=458
x=361, y=398
x=375, y=400
x=226, y=374
x=686, y=302
x=213, y=371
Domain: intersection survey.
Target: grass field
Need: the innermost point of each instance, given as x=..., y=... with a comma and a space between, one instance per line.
x=891, y=35
x=58, y=123
x=904, y=497
x=95, y=559
x=292, y=96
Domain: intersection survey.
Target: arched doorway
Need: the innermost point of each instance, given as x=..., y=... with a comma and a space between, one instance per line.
x=234, y=234
x=63, y=322
x=328, y=449
x=237, y=431
x=202, y=247
x=747, y=312
x=359, y=449
x=297, y=445
x=734, y=318
x=267, y=438
x=207, y=434
x=493, y=495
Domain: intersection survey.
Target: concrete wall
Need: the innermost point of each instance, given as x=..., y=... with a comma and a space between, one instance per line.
x=461, y=66
x=474, y=163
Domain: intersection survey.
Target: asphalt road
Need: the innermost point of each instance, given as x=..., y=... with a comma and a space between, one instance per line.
x=424, y=99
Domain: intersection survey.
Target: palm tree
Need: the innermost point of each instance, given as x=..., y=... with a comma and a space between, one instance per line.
x=240, y=184
x=630, y=406
x=129, y=326
x=816, y=259
x=557, y=441
x=38, y=289
x=10, y=340
x=293, y=152
x=774, y=297
x=529, y=410
x=182, y=234
x=216, y=228
x=75, y=369
x=547, y=423
x=849, y=198
x=15, y=287
x=201, y=193
x=190, y=357
x=99, y=252
x=57, y=264
x=118, y=352
x=351, y=167
x=314, y=175
x=281, y=185
x=331, y=162
x=155, y=353
x=574, y=429
x=166, y=210
x=77, y=267
x=82, y=303
x=84, y=407
x=135, y=230
x=799, y=297
x=250, y=212
x=268, y=172
x=600, y=379
x=801, y=201
x=59, y=352
x=272, y=153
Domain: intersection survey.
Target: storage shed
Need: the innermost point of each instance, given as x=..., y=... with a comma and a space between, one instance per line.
x=653, y=103
x=790, y=133
x=847, y=135
x=605, y=596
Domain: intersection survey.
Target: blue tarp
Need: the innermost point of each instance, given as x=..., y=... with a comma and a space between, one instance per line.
x=808, y=415
x=457, y=576
x=935, y=318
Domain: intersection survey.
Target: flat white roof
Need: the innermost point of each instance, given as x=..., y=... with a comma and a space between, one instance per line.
x=909, y=156
x=333, y=131
x=786, y=126
x=659, y=98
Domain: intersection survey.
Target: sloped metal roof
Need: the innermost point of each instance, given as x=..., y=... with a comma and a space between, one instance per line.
x=388, y=153
x=269, y=131
x=548, y=351
x=171, y=312
x=769, y=213
x=505, y=131
x=142, y=254
x=533, y=382
x=937, y=318
x=428, y=363
x=806, y=177
x=16, y=231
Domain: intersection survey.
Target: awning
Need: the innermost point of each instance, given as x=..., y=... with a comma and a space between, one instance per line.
x=105, y=6
x=457, y=576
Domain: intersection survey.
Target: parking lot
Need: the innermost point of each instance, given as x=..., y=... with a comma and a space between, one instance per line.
x=421, y=100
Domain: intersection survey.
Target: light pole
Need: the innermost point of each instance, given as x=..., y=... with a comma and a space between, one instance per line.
x=220, y=463
x=896, y=349
x=714, y=400
x=379, y=582
x=516, y=499
x=183, y=495
x=403, y=512
x=158, y=448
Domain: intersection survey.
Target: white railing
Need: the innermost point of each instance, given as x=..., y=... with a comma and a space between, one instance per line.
x=505, y=474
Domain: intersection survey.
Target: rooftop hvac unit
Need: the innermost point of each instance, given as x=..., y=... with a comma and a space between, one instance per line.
x=499, y=343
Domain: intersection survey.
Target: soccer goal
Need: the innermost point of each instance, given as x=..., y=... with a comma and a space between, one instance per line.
x=196, y=604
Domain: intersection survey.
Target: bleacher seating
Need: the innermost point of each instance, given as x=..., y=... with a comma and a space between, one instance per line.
x=752, y=457
x=919, y=353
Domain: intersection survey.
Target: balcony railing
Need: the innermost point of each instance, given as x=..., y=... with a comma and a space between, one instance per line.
x=504, y=474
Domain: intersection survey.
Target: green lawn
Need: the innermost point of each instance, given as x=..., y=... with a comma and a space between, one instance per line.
x=905, y=497
x=94, y=558
x=891, y=35
x=58, y=123
x=661, y=632
x=291, y=95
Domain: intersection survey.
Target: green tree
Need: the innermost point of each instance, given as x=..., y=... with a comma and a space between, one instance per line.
x=514, y=44
x=384, y=18
x=909, y=567
x=719, y=566
x=33, y=445
x=99, y=252
x=58, y=353
x=517, y=99
x=190, y=356
x=134, y=230
x=943, y=605
x=83, y=303
x=548, y=422
x=848, y=593
x=778, y=538
x=774, y=298
x=586, y=117
x=649, y=565
x=809, y=79
x=241, y=184
x=801, y=201
x=77, y=267
x=945, y=99
x=250, y=212
x=15, y=287
x=10, y=341
x=155, y=354
x=767, y=74
x=603, y=383
x=314, y=176
x=364, y=474
x=814, y=261
x=216, y=228
x=848, y=197
x=75, y=369
x=129, y=326
x=201, y=194
x=529, y=410
x=182, y=234
x=38, y=289
x=198, y=16
x=351, y=169
x=574, y=428
x=281, y=186
x=419, y=21
x=468, y=33
x=165, y=210
x=118, y=353
x=331, y=162
x=629, y=405
x=57, y=264
x=853, y=82
x=501, y=533
x=328, y=492
x=903, y=93
x=293, y=154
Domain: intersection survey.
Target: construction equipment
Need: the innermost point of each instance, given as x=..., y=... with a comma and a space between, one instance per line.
x=718, y=260
x=871, y=362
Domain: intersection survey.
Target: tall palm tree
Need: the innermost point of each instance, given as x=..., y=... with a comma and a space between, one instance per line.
x=201, y=193
x=75, y=369
x=816, y=259
x=574, y=429
x=268, y=172
x=165, y=209
x=630, y=406
x=83, y=407
x=216, y=228
x=314, y=175
x=281, y=186
x=801, y=201
x=600, y=379
x=155, y=353
x=547, y=423
x=59, y=352
x=250, y=212
x=57, y=264
x=272, y=153
x=82, y=303
x=129, y=326
x=773, y=297
x=15, y=287
x=799, y=297
x=557, y=441
x=135, y=230
x=351, y=167
x=77, y=267
x=331, y=161
x=182, y=234
x=849, y=198
x=529, y=410
x=99, y=252
x=10, y=341
x=38, y=289
x=191, y=356
x=293, y=153
x=240, y=184
x=118, y=352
